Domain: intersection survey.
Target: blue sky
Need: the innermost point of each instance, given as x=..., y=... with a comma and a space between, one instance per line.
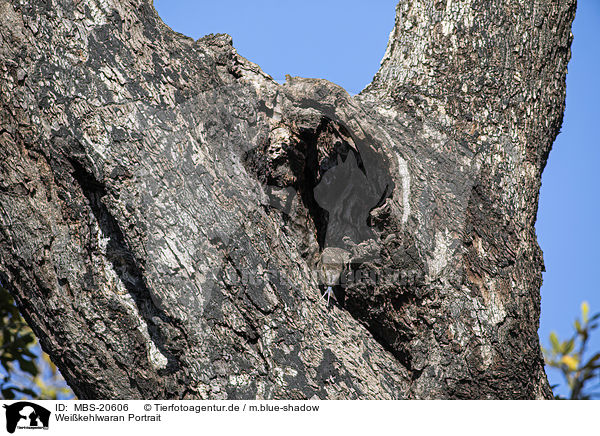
x=341, y=41
x=344, y=41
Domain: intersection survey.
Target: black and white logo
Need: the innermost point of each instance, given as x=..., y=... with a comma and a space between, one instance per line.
x=26, y=415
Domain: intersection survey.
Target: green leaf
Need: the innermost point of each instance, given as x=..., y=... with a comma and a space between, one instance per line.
x=594, y=358
x=554, y=342
x=568, y=346
x=585, y=311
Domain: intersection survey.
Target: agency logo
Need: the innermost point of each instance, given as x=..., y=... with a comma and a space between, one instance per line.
x=26, y=415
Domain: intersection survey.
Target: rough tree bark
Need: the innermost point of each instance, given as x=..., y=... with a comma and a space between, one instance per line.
x=164, y=204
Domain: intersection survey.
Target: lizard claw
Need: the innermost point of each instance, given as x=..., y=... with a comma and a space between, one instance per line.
x=328, y=293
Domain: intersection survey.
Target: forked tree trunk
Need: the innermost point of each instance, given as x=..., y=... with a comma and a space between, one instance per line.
x=170, y=216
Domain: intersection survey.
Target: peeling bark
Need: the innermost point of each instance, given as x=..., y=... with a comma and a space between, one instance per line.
x=170, y=216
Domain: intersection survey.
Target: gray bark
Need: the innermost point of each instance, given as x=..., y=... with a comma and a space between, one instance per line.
x=170, y=216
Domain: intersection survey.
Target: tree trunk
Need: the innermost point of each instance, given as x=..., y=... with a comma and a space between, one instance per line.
x=170, y=216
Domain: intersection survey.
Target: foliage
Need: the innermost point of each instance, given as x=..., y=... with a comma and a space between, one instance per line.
x=570, y=358
x=26, y=372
